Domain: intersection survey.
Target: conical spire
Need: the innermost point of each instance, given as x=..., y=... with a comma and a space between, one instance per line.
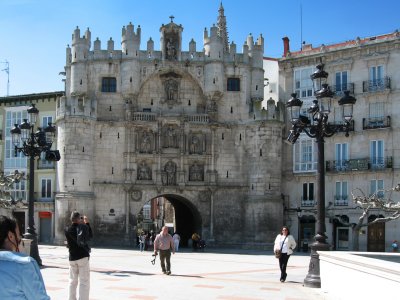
x=222, y=29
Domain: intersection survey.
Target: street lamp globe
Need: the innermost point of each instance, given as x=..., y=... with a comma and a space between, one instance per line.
x=294, y=106
x=347, y=102
x=33, y=113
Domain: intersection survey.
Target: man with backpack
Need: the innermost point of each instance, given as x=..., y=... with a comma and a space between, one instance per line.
x=78, y=234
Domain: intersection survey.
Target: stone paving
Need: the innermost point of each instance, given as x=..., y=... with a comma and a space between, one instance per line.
x=221, y=274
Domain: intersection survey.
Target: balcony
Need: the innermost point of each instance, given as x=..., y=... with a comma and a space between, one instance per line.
x=377, y=85
x=144, y=116
x=307, y=202
x=342, y=128
x=341, y=200
x=376, y=123
x=45, y=164
x=362, y=164
x=339, y=89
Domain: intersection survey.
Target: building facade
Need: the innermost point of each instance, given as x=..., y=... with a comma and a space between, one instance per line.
x=137, y=124
x=13, y=110
x=367, y=160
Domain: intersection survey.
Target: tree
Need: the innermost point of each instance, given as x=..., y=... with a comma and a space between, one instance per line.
x=6, y=182
x=388, y=208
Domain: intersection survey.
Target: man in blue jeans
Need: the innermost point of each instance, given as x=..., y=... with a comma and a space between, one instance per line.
x=164, y=243
x=78, y=234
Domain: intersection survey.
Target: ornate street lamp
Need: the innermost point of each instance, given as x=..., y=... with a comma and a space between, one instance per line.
x=318, y=128
x=33, y=144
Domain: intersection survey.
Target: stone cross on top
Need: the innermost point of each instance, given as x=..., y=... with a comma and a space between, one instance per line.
x=172, y=18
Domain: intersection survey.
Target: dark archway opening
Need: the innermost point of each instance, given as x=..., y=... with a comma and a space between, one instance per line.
x=174, y=211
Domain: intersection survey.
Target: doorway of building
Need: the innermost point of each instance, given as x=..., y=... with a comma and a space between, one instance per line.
x=376, y=236
x=174, y=211
x=307, y=232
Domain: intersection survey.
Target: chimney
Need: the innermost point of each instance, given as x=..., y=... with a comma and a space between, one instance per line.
x=286, y=49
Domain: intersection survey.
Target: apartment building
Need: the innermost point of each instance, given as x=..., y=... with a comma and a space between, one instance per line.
x=367, y=160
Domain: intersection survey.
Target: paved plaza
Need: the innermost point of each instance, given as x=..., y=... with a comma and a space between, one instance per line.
x=220, y=274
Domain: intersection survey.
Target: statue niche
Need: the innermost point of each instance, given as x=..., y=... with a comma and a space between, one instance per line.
x=146, y=140
x=170, y=137
x=171, y=50
x=196, y=172
x=171, y=90
x=144, y=172
x=169, y=174
x=195, y=146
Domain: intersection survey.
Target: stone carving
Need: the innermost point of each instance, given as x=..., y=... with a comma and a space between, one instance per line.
x=144, y=172
x=145, y=144
x=170, y=138
x=136, y=195
x=169, y=174
x=196, y=172
x=171, y=90
x=170, y=50
x=195, y=145
x=212, y=107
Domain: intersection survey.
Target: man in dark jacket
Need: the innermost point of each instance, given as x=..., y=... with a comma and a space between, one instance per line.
x=78, y=234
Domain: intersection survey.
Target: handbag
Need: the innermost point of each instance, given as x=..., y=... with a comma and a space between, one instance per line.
x=279, y=252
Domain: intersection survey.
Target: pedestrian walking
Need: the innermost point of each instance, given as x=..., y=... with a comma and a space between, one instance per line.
x=20, y=276
x=176, y=237
x=395, y=246
x=142, y=241
x=283, y=248
x=164, y=244
x=78, y=234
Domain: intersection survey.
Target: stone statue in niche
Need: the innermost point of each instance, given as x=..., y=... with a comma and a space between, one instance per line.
x=170, y=50
x=195, y=145
x=171, y=89
x=196, y=172
x=212, y=107
x=169, y=175
x=170, y=139
x=145, y=144
x=144, y=172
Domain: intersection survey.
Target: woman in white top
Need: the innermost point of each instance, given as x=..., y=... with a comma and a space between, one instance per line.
x=286, y=244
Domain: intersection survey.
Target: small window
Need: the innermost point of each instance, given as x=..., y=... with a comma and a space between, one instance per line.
x=109, y=85
x=233, y=84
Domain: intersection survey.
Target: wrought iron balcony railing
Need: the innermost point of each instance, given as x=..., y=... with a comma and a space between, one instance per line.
x=339, y=89
x=307, y=202
x=341, y=200
x=377, y=122
x=343, y=129
x=376, y=85
x=362, y=164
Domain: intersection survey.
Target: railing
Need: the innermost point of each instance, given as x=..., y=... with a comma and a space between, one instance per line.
x=343, y=128
x=45, y=164
x=341, y=200
x=362, y=164
x=201, y=118
x=376, y=85
x=339, y=89
x=374, y=123
x=144, y=116
x=307, y=202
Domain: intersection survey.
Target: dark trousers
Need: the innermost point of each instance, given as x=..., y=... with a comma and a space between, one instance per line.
x=165, y=256
x=283, y=260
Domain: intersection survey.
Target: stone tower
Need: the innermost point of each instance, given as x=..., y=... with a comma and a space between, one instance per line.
x=137, y=124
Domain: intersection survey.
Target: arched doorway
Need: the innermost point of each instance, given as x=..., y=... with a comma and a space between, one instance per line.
x=174, y=211
x=376, y=235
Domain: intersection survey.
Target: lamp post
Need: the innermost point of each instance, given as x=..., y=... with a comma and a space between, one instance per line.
x=316, y=126
x=33, y=144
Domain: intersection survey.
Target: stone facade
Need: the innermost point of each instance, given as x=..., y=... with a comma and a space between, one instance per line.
x=368, y=159
x=185, y=125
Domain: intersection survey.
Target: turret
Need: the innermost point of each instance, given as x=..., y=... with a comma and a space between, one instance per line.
x=214, y=69
x=79, y=53
x=256, y=52
x=97, y=45
x=110, y=45
x=130, y=49
x=130, y=41
x=150, y=47
x=192, y=46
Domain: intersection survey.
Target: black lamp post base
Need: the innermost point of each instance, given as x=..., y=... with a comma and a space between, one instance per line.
x=313, y=278
x=34, y=250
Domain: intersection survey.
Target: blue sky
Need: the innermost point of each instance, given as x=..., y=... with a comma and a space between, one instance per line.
x=34, y=33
